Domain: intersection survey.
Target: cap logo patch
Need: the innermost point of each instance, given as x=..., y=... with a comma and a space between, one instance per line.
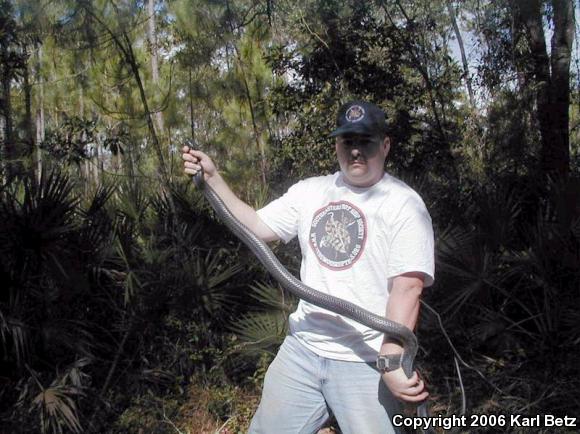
x=355, y=113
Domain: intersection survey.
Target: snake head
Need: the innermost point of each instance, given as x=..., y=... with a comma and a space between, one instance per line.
x=198, y=178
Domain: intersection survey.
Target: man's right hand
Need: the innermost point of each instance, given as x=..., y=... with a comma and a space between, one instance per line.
x=194, y=161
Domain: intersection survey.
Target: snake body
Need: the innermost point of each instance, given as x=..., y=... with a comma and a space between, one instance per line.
x=337, y=305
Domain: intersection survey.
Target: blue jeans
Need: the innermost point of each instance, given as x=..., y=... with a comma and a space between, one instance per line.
x=302, y=388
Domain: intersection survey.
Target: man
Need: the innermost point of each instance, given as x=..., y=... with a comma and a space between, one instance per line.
x=365, y=237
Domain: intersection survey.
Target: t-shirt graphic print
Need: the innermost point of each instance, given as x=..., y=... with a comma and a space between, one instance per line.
x=338, y=234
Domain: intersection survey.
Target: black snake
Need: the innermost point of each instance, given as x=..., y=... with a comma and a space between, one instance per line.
x=350, y=310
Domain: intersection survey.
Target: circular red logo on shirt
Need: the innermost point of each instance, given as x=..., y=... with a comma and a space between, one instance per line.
x=338, y=234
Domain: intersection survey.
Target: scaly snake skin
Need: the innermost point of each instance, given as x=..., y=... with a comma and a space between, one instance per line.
x=350, y=310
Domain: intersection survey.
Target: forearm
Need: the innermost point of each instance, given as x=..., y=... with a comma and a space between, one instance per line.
x=403, y=307
x=241, y=210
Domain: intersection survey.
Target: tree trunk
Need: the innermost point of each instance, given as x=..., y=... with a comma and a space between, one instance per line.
x=552, y=86
x=562, y=40
x=152, y=37
x=255, y=128
x=85, y=164
x=124, y=45
x=257, y=132
x=154, y=138
x=466, y=73
x=421, y=69
x=191, y=116
x=40, y=125
x=6, y=133
x=28, y=123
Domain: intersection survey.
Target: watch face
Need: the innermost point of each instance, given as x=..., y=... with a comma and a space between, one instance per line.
x=388, y=363
x=382, y=364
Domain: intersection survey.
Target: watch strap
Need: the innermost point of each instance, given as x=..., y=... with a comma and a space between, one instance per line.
x=388, y=362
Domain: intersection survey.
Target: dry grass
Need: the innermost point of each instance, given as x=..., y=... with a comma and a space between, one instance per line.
x=198, y=415
x=215, y=410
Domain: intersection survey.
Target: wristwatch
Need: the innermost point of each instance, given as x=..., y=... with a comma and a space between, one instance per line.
x=388, y=362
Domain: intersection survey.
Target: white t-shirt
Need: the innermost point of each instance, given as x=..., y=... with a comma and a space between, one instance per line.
x=354, y=241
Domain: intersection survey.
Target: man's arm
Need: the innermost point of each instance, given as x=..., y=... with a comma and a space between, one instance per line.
x=194, y=160
x=403, y=307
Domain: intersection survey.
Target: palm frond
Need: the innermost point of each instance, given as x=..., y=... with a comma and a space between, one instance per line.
x=14, y=333
x=211, y=272
x=260, y=331
x=131, y=202
x=575, y=228
x=57, y=409
x=99, y=200
x=54, y=405
x=218, y=271
x=469, y=265
x=75, y=376
x=261, y=196
x=36, y=217
x=188, y=204
x=97, y=229
x=72, y=336
x=49, y=204
x=496, y=212
x=132, y=281
x=272, y=298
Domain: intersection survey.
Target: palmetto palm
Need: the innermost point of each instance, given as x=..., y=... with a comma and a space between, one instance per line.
x=507, y=287
x=265, y=328
x=45, y=248
x=85, y=273
x=36, y=220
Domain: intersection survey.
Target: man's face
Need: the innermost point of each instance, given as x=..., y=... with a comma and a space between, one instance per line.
x=362, y=158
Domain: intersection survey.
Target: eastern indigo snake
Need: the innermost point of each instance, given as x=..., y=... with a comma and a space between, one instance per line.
x=350, y=310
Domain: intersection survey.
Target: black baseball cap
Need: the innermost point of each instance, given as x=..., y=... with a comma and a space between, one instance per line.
x=360, y=117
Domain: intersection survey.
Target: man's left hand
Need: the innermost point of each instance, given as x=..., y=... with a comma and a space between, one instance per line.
x=403, y=388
